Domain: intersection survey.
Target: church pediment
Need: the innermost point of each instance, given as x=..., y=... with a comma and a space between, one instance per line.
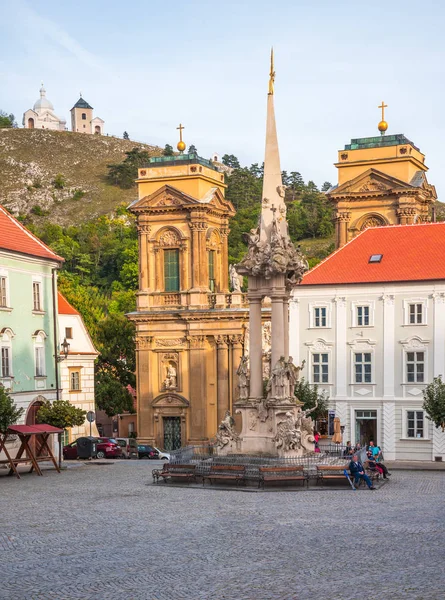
x=372, y=181
x=169, y=197
x=170, y=400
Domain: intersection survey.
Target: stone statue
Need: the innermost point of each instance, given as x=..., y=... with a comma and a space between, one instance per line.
x=226, y=432
x=235, y=279
x=287, y=437
x=170, y=382
x=276, y=386
x=243, y=379
x=293, y=374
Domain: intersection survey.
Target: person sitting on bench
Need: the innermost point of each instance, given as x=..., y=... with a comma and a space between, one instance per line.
x=377, y=466
x=358, y=472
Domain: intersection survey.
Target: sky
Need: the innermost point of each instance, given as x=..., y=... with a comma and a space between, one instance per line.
x=145, y=66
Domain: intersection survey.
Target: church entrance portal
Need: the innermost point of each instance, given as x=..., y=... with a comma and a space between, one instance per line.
x=97, y=129
x=172, y=433
x=30, y=123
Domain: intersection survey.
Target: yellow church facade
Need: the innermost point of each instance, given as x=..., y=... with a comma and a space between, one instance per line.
x=381, y=181
x=189, y=326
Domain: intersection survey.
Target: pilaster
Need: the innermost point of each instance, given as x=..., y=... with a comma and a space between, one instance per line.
x=438, y=335
x=341, y=349
x=388, y=346
x=222, y=372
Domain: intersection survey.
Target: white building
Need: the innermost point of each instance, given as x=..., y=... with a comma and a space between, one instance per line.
x=42, y=115
x=370, y=323
x=77, y=371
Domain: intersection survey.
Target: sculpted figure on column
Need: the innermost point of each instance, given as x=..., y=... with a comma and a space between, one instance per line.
x=243, y=379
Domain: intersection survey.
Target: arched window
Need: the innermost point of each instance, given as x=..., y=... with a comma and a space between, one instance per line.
x=97, y=129
x=6, y=336
x=30, y=123
x=212, y=279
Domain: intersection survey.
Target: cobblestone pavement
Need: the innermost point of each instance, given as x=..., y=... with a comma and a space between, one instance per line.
x=105, y=532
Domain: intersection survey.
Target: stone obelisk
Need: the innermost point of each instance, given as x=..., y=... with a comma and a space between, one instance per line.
x=273, y=423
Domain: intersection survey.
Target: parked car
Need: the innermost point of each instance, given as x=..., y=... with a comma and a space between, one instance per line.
x=106, y=448
x=162, y=455
x=129, y=447
x=146, y=451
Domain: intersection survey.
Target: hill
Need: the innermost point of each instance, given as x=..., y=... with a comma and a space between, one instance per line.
x=61, y=174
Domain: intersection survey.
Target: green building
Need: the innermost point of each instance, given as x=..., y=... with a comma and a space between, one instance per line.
x=28, y=316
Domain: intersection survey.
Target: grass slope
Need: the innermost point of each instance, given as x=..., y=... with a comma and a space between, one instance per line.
x=30, y=159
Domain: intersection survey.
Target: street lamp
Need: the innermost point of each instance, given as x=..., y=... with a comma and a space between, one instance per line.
x=65, y=348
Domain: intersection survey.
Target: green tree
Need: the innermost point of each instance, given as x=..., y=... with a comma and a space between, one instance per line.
x=434, y=402
x=125, y=173
x=111, y=396
x=192, y=149
x=326, y=186
x=7, y=121
x=168, y=150
x=62, y=414
x=230, y=160
x=310, y=396
x=9, y=413
x=126, y=136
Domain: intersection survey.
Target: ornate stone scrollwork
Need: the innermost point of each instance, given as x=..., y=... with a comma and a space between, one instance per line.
x=167, y=343
x=226, y=431
x=169, y=238
x=288, y=437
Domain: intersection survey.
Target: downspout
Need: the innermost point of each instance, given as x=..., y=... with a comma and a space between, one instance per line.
x=56, y=345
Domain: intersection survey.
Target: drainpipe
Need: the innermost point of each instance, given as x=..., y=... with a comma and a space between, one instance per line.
x=56, y=345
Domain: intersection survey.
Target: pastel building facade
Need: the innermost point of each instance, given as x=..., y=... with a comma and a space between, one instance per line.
x=42, y=115
x=370, y=323
x=77, y=370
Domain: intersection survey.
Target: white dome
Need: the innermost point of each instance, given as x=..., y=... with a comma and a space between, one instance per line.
x=43, y=102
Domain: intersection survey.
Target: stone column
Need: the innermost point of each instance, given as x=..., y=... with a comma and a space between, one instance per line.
x=195, y=254
x=198, y=381
x=255, y=348
x=158, y=268
x=224, y=282
x=278, y=336
x=286, y=326
x=237, y=352
x=222, y=373
x=203, y=257
x=294, y=327
x=342, y=219
x=143, y=233
x=183, y=284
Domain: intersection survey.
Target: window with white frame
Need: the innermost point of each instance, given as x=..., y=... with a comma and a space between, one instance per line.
x=415, y=425
x=37, y=295
x=6, y=353
x=362, y=315
x=362, y=367
x=415, y=313
x=39, y=355
x=320, y=367
x=74, y=381
x=415, y=367
x=6, y=362
x=3, y=295
x=320, y=316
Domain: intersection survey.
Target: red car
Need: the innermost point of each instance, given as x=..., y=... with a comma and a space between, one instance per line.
x=106, y=448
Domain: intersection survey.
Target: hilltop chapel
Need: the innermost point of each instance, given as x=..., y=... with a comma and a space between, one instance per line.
x=189, y=327
x=42, y=115
x=381, y=181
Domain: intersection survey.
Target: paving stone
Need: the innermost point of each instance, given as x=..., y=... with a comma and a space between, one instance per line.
x=109, y=533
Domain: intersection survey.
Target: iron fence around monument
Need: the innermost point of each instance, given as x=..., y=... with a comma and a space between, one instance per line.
x=204, y=456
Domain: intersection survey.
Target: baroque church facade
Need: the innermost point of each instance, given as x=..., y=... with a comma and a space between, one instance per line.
x=381, y=181
x=190, y=328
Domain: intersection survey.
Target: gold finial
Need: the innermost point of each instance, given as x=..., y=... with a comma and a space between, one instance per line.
x=181, y=144
x=383, y=125
x=271, y=74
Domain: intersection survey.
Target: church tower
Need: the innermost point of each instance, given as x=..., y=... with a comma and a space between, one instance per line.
x=82, y=120
x=189, y=326
x=381, y=181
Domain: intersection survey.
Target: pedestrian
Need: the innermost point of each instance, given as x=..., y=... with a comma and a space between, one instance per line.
x=357, y=471
x=317, y=438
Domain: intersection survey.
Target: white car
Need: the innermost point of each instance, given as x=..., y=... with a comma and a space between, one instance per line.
x=162, y=455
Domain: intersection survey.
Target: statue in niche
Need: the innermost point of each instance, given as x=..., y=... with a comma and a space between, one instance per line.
x=171, y=380
x=243, y=379
x=226, y=431
x=236, y=281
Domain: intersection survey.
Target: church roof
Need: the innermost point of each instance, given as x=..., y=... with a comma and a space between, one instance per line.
x=400, y=253
x=379, y=142
x=16, y=238
x=81, y=103
x=43, y=102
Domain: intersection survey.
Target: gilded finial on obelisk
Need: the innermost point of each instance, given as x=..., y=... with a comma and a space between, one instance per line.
x=181, y=144
x=271, y=74
x=383, y=125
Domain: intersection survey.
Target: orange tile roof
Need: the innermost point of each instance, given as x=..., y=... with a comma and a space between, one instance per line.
x=65, y=307
x=16, y=238
x=409, y=253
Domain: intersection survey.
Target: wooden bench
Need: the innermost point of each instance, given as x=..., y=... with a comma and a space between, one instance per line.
x=295, y=473
x=330, y=473
x=185, y=472
x=226, y=473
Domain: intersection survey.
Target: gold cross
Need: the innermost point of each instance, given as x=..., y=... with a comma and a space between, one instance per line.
x=383, y=106
x=180, y=131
